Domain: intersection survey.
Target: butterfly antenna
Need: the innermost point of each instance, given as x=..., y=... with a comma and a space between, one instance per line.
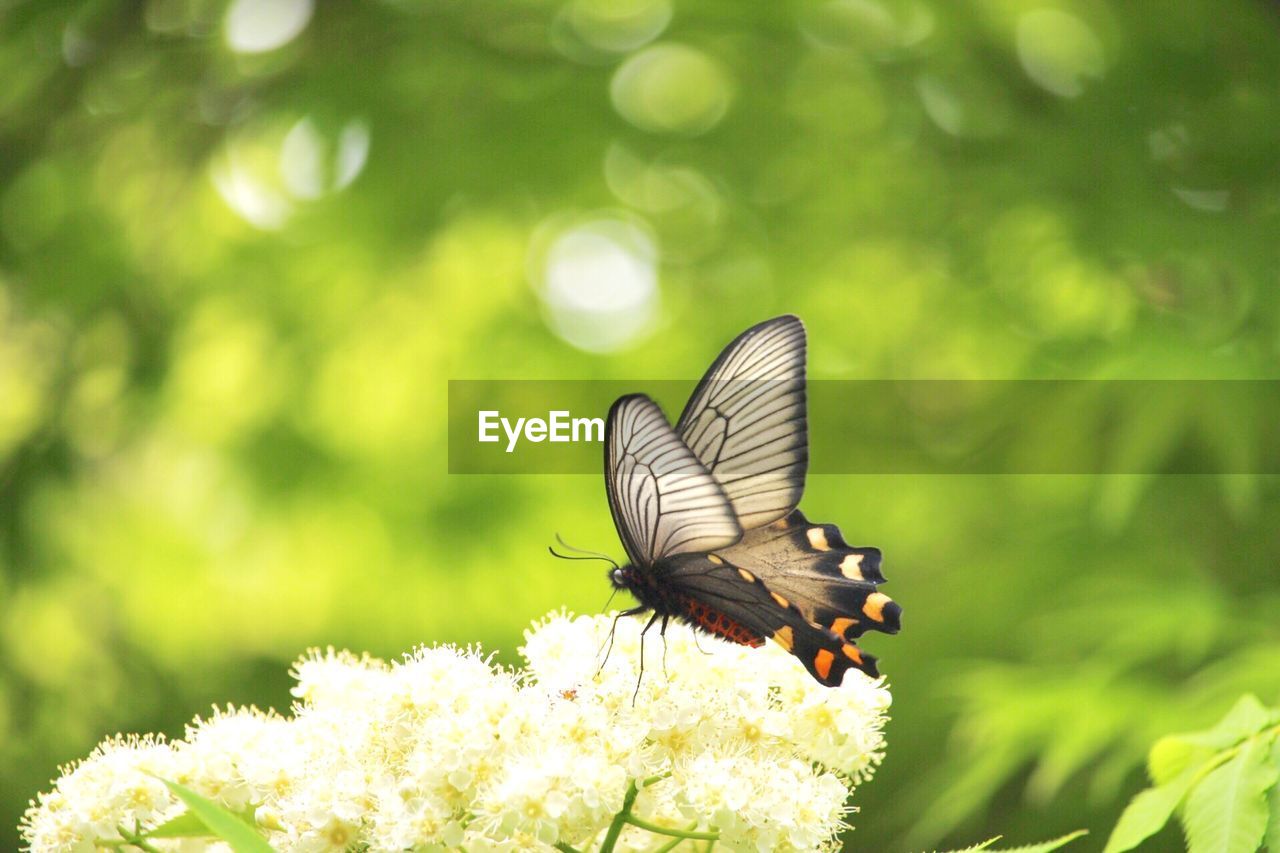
x=576, y=550
x=556, y=553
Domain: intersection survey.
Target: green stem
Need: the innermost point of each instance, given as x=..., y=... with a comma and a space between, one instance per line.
x=128, y=839
x=666, y=830
x=620, y=819
x=566, y=848
x=673, y=843
x=624, y=814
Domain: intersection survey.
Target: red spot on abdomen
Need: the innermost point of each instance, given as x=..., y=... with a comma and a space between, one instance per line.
x=715, y=622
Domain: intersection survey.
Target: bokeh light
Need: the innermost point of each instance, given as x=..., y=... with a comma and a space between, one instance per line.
x=672, y=88
x=871, y=27
x=1059, y=51
x=258, y=26
x=618, y=25
x=1209, y=201
x=598, y=282
x=248, y=189
x=267, y=169
x=312, y=164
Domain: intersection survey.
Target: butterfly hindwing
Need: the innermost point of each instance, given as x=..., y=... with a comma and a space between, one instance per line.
x=663, y=500
x=833, y=584
x=732, y=602
x=746, y=421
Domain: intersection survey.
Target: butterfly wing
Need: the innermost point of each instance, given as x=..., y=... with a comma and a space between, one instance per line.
x=746, y=421
x=833, y=584
x=733, y=602
x=663, y=500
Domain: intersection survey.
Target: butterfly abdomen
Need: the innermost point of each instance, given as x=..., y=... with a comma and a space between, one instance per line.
x=667, y=600
x=714, y=622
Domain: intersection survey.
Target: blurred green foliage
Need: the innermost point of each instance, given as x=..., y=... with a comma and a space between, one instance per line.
x=244, y=245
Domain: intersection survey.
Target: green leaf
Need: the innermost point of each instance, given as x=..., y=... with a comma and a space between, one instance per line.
x=983, y=845
x=1247, y=717
x=1171, y=755
x=1273, y=827
x=1227, y=811
x=1046, y=846
x=1149, y=811
x=185, y=825
x=242, y=837
x=1042, y=847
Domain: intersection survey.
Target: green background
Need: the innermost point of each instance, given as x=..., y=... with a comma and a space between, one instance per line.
x=243, y=249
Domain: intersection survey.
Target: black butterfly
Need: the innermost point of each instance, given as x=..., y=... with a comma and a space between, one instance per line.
x=707, y=513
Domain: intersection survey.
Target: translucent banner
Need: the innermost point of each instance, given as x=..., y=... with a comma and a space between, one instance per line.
x=907, y=426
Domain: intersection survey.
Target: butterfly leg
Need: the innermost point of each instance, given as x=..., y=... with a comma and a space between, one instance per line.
x=634, y=611
x=640, y=677
x=662, y=632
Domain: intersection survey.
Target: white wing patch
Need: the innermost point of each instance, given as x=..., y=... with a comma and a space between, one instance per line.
x=747, y=421
x=664, y=501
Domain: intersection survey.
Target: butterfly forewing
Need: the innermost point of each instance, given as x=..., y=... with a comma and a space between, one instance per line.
x=746, y=421
x=663, y=500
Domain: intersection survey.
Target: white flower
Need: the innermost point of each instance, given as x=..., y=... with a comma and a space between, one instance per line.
x=442, y=750
x=334, y=678
x=241, y=757
x=116, y=786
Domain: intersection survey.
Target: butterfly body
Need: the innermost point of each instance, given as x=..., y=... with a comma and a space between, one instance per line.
x=707, y=513
x=655, y=593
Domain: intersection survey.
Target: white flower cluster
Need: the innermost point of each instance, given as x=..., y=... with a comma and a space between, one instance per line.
x=442, y=750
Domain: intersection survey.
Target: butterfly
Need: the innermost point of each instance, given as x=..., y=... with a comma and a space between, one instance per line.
x=706, y=512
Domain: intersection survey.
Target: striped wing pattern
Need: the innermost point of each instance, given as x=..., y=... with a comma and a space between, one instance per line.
x=746, y=420
x=663, y=500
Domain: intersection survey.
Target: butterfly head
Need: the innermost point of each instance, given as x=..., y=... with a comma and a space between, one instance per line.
x=619, y=576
